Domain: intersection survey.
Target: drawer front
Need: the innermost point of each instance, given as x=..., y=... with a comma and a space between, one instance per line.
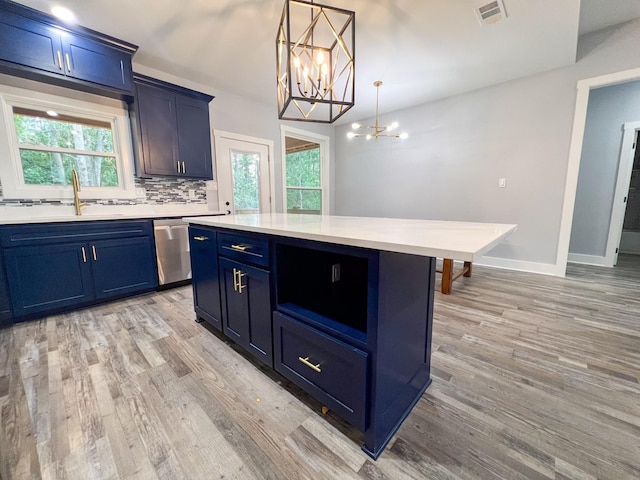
x=245, y=248
x=332, y=371
x=64, y=232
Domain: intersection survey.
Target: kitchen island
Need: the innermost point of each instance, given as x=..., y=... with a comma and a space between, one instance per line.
x=341, y=306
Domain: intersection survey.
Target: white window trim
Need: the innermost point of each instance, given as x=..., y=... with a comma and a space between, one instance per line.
x=324, y=142
x=13, y=186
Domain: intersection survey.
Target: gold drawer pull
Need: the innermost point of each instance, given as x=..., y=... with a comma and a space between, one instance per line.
x=240, y=248
x=309, y=364
x=93, y=250
x=201, y=239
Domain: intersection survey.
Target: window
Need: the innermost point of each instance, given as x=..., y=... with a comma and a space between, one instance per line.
x=304, y=194
x=246, y=182
x=46, y=139
x=305, y=172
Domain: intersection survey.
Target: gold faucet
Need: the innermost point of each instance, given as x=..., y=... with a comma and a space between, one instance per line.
x=76, y=188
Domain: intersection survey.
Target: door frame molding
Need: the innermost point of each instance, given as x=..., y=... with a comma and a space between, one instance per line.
x=325, y=162
x=625, y=166
x=220, y=134
x=584, y=88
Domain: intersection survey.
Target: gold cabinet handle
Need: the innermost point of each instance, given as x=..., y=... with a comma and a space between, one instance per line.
x=306, y=361
x=201, y=238
x=179, y=167
x=93, y=250
x=59, y=59
x=66, y=56
x=84, y=255
x=237, y=280
x=184, y=170
x=240, y=248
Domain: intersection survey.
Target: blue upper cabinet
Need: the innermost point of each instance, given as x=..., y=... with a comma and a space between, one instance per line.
x=33, y=45
x=173, y=130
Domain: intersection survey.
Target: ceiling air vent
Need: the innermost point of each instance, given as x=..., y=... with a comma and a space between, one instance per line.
x=491, y=12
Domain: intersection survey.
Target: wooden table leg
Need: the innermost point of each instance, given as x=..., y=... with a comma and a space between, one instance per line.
x=447, y=275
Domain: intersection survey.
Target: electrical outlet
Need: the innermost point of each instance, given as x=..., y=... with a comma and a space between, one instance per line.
x=141, y=192
x=192, y=193
x=502, y=182
x=335, y=273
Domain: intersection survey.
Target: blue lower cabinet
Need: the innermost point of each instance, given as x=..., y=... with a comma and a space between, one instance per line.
x=246, y=307
x=51, y=277
x=205, y=279
x=60, y=266
x=122, y=266
x=5, y=299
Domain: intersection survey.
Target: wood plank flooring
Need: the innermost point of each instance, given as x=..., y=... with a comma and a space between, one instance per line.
x=535, y=377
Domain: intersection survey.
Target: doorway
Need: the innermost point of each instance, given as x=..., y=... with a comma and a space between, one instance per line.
x=305, y=172
x=630, y=238
x=244, y=170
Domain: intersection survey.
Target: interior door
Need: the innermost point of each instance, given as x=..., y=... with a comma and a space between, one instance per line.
x=244, y=175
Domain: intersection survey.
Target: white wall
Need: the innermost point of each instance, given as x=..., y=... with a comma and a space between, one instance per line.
x=609, y=108
x=460, y=146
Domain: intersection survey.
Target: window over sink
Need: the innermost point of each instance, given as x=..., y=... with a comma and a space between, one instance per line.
x=46, y=137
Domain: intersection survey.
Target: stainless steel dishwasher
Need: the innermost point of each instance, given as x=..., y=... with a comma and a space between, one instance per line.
x=172, y=251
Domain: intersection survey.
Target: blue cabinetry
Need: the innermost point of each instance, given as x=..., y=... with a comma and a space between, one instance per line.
x=205, y=278
x=351, y=326
x=173, y=130
x=54, y=267
x=5, y=301
x=246, y=307
x=34, y=45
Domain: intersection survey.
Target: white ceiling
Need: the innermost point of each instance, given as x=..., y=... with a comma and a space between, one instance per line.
x=421, y=49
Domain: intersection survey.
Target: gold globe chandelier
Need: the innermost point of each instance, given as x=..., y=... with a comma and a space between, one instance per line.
x=315, y=61
x=376, y=130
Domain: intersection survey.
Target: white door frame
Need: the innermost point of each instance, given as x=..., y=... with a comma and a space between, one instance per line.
x=325, y=162
x=218, y=135
x=625, y=167
x=575, y=154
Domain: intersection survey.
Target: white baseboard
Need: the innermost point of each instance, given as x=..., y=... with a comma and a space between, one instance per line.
x=521, y=266
x=596, y=260
x=630, y=242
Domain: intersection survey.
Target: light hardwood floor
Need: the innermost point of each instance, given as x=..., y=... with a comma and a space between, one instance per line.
x=535, y=377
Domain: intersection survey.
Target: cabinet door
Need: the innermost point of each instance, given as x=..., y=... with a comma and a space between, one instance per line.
x=48, y=277
x=205, y=278
x=86, y=59
x=121, y=266
x=30, y=43
x=157, y=117
x=194, y=137
x=246, y=308
x=5, y=302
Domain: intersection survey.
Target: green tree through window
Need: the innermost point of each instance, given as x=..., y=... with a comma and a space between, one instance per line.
x=51, y=147
x=303, y=174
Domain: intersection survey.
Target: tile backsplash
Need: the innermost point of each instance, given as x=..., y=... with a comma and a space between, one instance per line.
x=158, y=191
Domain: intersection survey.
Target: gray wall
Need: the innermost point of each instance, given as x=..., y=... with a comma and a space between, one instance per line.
x=609, y=108
x=459, y=147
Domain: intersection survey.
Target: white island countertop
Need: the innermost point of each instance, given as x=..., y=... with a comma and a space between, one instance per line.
x=430, y=238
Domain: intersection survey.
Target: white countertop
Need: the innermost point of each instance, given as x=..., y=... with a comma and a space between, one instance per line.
x=458, y=240
x=16, y=215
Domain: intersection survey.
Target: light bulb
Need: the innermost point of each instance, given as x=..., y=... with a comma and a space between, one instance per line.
x=296, y=62
x=393, y=126
x=351, y=135
x=368, y=137
x=355, y=125
x=404, y=135
x=320, y=58
x=52, y=113
x=63, y=13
